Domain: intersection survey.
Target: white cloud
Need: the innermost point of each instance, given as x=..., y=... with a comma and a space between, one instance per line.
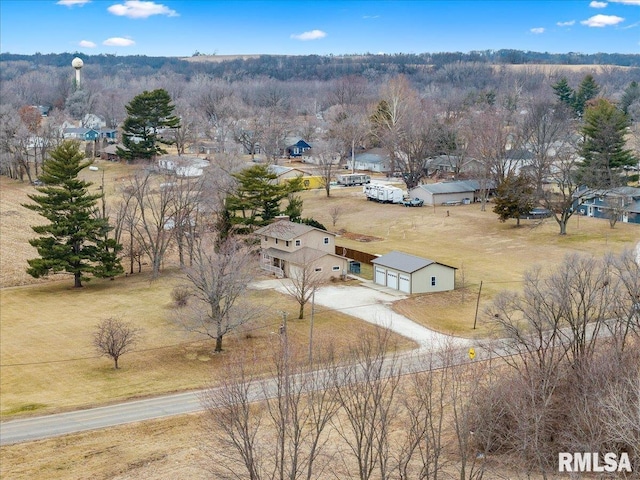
x=566, y=24
x=311, y=35
x=626, y=2
x=596, y=4
x=368, y=17
x=537, y=30
x=602, y=21
x=118, y=42
x=87, y=44
x=140, y=9
x=72, y=3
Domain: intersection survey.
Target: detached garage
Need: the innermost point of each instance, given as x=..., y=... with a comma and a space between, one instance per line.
x=411, y=274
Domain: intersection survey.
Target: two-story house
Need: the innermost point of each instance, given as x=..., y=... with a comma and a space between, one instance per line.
x=289, y=248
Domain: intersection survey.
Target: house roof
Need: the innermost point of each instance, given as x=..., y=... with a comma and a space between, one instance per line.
x=80, y=130
x=279, y=169
x=286, y=230
x=461, y=186
x=301, y=256
x=404, y=262
x=375, y=155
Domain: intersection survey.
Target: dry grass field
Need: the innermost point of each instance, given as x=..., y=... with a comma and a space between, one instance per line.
x=475, y=242
x=48, y=364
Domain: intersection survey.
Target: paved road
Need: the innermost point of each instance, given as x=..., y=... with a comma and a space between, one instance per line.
x=370, y=303
x=37, y=428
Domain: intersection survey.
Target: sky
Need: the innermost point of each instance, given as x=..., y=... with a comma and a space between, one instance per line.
x=329, y=27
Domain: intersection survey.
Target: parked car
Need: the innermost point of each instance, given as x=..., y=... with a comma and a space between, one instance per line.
x=539, y=212
x=413, y=202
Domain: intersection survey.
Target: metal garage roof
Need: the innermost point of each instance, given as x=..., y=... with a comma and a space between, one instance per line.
x=402, y=262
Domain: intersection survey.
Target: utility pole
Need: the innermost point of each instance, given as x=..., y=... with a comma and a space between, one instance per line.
x=313, y=305
x=475, y=320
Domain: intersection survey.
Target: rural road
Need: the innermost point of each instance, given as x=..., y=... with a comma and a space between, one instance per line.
x=368, y=303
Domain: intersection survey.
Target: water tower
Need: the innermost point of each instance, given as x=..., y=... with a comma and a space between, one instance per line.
x=77, y=63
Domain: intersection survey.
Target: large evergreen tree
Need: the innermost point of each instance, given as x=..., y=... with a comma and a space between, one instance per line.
x=258, y=197
x=76, y=238
x=147, y=114
x=514, y=198
x=603, y=149
x=576, y=101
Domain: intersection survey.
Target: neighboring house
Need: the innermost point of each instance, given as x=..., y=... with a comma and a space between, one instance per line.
x=91, y=120
x=443, y=193
x=451, y=165
x=411, y=274
x=205, y=147
x=183, y=166
x=287, y=248
x=296, y=149
x=374, y=160
x=108, y=133
x=622, y=201
x=311, y=156
x=80, y=133
x=285, y=173
x=43, y=109
x=110, y=152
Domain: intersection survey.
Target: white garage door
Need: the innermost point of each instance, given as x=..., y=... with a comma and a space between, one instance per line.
x=405, y=283
x=381, y=276
x=392, y=280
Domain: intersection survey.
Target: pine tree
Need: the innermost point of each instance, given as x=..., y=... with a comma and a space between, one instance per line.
x=514, y=198
x=74, y=239
x=258, y=196
x=631, y=94
x=147, y=113
x=587, y=90
x=564, y=92
x=604, y=143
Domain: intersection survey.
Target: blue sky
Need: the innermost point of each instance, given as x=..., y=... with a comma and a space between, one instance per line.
x=180, y=28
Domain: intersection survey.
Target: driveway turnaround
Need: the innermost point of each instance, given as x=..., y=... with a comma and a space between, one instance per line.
x=372, y=303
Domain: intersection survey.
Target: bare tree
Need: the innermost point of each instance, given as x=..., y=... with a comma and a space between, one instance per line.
x=366, y=392
x=545, y=128
x=153, y=212
x=304, y=278
x=113, y=338
x=565, y=189
x=335, y=212
x=349, y=126
x=186, y=195
x=285, y=435
x=424, y=401
x=327, y=156
x=218, y=278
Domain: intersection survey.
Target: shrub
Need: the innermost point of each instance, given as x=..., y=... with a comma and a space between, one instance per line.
x=180, y=295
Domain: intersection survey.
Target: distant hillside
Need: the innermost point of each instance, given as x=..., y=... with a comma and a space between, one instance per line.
x=318, y=67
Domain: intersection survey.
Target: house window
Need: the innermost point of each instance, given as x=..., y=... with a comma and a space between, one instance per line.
x=433, y=281
x=276, y=241
x=266, y=239
x=318, y=269
x=287, y=243
x=298, y=243
x=326, y=240
x=335, y=268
